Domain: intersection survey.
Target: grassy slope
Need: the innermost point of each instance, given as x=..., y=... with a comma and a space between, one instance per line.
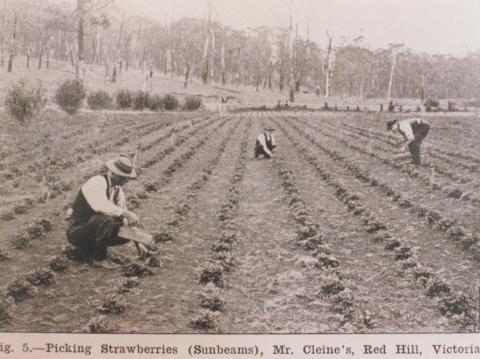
x=161, y=84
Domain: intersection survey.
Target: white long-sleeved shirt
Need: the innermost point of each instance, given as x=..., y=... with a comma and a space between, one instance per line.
x=405, y=127
x=261, y=140
x=94, y=191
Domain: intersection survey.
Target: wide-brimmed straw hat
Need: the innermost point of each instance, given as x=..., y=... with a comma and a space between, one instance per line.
x=122, y=166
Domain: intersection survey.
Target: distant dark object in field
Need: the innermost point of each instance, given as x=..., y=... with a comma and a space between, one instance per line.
x=225, y=99
x=391, y=107
x=431, y=104
x=400, y=108
x=452, y=106
x=325, y=106
x=381, y=107
x=358, y=108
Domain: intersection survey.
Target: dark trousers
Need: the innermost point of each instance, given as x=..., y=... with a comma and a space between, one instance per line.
x=414, y=147
x=260, y=151
x=96, y=235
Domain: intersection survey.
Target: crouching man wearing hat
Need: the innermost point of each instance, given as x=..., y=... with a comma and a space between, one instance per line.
x=99, y=210
x=414, y=131
x=265, y=144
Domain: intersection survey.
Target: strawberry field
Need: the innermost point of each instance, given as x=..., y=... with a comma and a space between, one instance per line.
x=330, y=235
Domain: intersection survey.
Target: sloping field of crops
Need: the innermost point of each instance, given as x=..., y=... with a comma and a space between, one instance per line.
x=328, y=236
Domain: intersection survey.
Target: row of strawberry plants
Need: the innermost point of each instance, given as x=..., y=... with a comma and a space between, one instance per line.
x=181, y=138
x=184, y=205
x=451, y=303
x=159, y=139
x=214, y=273
x=311, y=238
x=411, y=172
x=154, y=186
x=455, y=231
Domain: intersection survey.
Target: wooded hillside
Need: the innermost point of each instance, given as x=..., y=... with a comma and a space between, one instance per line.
x=103, y=33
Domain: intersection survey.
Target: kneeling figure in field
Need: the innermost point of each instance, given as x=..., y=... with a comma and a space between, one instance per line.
x=99, y=210
x=265, y=144
x=413, y=131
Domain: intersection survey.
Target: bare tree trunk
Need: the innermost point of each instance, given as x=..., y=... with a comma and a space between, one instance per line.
x=281, y=80
x=328, y=65
x=72, y=56
x=422, y=89
x=2, y=35
x=394, y=48
x=187, y=74
x=205, y=60
x=13, y=45
x=96, y=53
x=224, y=80
x=390, y=80
x=118, y=63
x=81, y=35
x=291, y=59
x=212, y=56
x=28, y=58
x=40, y=58
x=208, y=33
x=107, y=71
x=48, y=51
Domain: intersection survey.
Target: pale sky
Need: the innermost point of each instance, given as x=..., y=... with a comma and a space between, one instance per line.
x=432, y=26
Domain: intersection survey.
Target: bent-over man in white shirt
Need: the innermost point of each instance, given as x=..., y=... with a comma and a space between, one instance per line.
x=265, y=144
x=99, y=210
x=414, y=131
